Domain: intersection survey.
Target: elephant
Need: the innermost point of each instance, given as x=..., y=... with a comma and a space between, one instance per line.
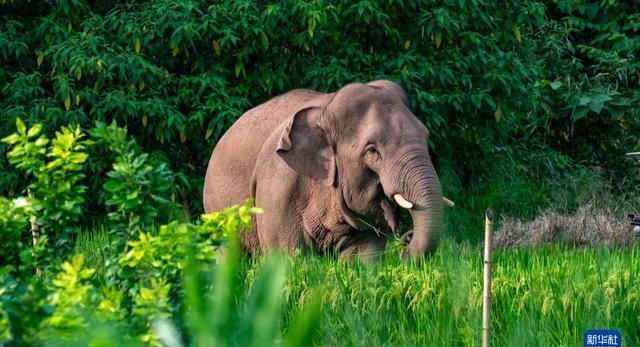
x=325, y=167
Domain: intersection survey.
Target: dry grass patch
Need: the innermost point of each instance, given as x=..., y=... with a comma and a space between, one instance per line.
x=587, y=226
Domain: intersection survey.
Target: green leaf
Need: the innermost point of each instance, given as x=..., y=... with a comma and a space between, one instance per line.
x=22, y=129
x=78, y=158
x=596, y=106
x=239, y=68
x=34, y=131
x=11, y=139
x=113, y=186
x=597, y=103
x=516, y=32
x=579, y=112
x=54, y=164
x=42, y=141
x=585, y=100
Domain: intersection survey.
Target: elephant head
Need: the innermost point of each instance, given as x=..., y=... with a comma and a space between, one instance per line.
x=367, y=145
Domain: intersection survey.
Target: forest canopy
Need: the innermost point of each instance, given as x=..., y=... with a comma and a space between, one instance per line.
x=532, y=88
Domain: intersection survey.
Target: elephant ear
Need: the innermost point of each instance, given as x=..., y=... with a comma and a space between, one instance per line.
x=304, y=146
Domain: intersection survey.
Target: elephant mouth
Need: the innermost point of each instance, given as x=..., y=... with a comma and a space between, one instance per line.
x=407, y=236
x=399, y=202
x=392, y=209
x=386, y=216
x=390, y=213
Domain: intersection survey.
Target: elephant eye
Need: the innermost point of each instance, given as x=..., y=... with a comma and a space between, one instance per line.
x=370, y=150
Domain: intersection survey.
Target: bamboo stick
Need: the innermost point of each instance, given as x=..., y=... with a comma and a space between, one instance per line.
x=486, y=296
x=35, y=233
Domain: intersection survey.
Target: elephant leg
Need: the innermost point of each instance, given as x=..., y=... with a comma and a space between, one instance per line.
x=277, y=227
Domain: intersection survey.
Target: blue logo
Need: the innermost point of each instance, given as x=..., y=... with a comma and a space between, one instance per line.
x=602, y=338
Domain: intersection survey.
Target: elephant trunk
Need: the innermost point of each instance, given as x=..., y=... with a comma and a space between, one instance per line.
x=427, y=230
x=416, y=181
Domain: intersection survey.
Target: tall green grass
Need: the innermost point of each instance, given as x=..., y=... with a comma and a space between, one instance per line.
x=541, y=297
x=544, y=296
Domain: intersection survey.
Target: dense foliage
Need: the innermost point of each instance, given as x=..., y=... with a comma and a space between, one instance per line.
x=537, y=86
x=163, y=280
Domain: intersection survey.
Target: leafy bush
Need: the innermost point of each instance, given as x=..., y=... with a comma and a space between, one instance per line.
x=50, y=301
x=58, y=195
x=70, y=297
x=161, y=278
x=13, y=223
x=137, y=189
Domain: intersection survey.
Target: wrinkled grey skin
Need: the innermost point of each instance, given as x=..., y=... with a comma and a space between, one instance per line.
x=319, y=164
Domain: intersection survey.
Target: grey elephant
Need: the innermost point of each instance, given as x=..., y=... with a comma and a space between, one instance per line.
x=326, y=167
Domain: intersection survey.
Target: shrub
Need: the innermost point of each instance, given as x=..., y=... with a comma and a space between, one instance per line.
x=163, y=277
x=56, y=173
x=137, y=189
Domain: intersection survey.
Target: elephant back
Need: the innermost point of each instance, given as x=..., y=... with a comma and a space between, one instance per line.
x=231, y=165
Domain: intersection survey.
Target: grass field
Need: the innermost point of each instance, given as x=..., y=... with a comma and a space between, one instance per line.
x=541, y=297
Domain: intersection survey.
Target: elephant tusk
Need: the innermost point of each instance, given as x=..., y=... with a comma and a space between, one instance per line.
x=448, y=202
x=402, y=201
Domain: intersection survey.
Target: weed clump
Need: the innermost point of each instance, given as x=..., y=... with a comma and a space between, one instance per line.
x=588, y=226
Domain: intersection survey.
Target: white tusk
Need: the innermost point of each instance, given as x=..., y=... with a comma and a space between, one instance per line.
x=402, y=201
x=448, y=202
